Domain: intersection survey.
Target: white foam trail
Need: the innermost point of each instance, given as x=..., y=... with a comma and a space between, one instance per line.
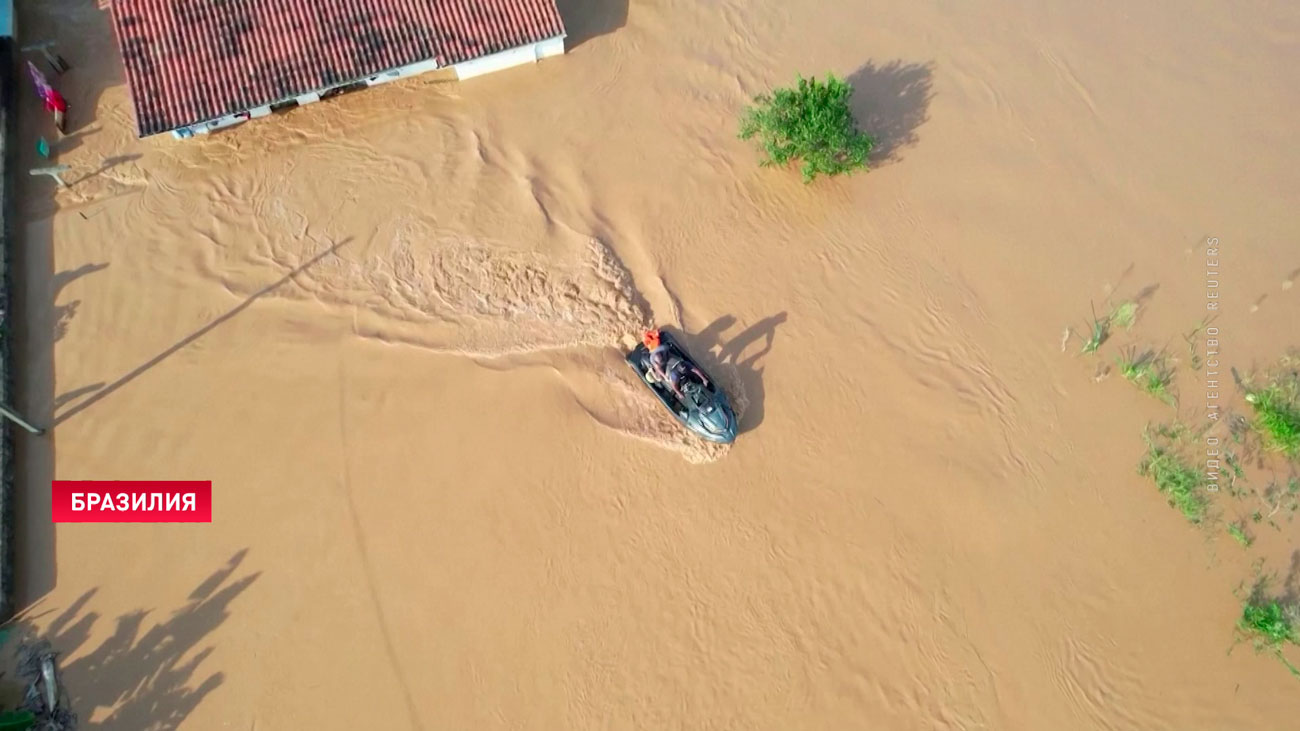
x=500, y=300
x=450, y=293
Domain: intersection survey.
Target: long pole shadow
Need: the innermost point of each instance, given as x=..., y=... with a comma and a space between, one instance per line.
x=142, y=368
x=108, y=164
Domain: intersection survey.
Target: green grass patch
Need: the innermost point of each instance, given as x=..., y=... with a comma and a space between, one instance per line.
x=1239, y=534
x=1149, y=372
x=1098, y=333
x=1275, y=400
x=1182, y=483
x=1124, y=314
x=1277, y=419
x=1269, y=623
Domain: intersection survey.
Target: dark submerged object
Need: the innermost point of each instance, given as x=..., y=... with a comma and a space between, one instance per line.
x=703, y=409
x=45, y=705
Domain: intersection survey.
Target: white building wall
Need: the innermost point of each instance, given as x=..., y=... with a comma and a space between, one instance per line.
x=211, y=125
x=509, y=58
x=551, y=47
x=414, y=69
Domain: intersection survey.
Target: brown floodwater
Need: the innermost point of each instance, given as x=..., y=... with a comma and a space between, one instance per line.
x=388, y=329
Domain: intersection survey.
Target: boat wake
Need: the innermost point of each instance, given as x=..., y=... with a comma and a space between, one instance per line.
x=452, y=294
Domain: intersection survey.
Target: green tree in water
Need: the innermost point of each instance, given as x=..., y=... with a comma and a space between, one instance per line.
x=811, y=123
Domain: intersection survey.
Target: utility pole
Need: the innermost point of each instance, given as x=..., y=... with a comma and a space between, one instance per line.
x=53, y=172
x=20, y=421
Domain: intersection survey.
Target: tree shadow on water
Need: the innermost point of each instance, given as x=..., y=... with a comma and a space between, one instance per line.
x=144, y=678
x=890, y=102
x=735, y=355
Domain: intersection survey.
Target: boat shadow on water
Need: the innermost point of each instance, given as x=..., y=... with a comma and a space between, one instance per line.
x=735, y=360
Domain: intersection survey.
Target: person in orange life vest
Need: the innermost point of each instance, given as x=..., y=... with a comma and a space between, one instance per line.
x=667, y=368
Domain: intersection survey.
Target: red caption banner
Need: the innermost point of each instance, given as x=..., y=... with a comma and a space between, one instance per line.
x=132, y=501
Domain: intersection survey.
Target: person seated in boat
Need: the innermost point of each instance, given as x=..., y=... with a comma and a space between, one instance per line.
x=667, y=367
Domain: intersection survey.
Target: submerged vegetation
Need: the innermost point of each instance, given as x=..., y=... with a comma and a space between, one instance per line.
x=1193, y=356
x=1191, y=466
x=1238, y=532
x=1124, y=314
x=1181, y=482
x=1276, y=498
x=1149, y=371
x=1269, y=623
x=1099, y=332
x=810, y=123
x=1277, y=417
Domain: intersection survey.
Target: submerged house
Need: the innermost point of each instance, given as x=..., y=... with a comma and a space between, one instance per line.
x=193, y=66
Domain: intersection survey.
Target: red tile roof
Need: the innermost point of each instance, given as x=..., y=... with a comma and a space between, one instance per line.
x=189, y=61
